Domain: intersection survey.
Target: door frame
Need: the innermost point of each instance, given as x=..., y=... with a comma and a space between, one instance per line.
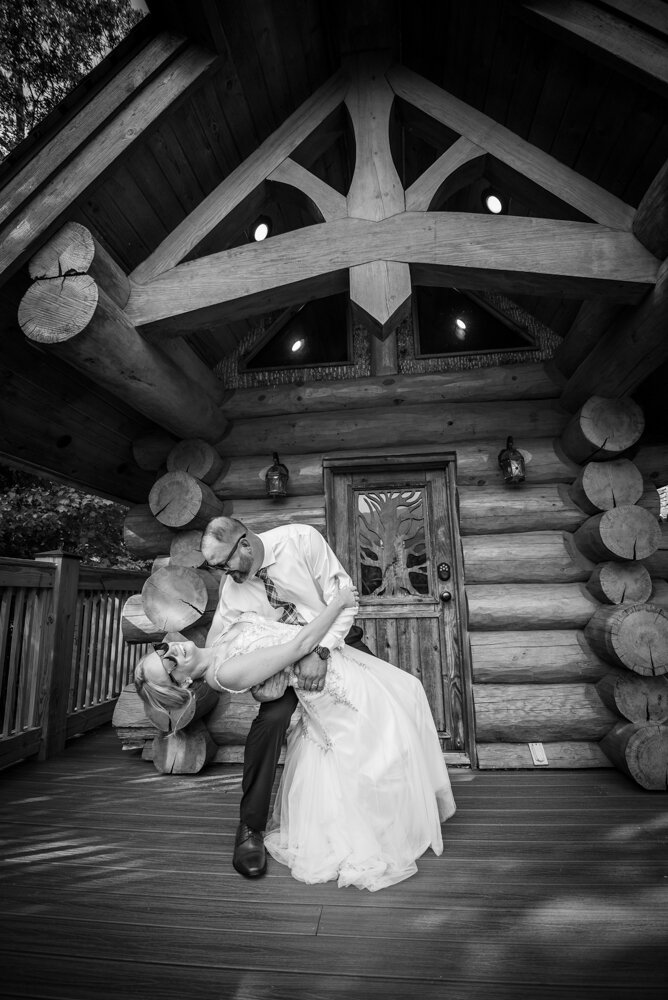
x=446, y=460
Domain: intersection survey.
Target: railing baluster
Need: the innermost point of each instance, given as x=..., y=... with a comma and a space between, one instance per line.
x=84, y=641
x=5, y=608
x=30, y=662
x=14, y=662
x=63, y=661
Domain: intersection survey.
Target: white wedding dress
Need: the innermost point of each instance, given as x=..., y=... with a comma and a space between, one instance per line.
x=364, y=788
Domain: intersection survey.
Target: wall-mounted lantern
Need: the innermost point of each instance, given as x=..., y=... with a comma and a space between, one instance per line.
x=511, y=463
x=276, y=479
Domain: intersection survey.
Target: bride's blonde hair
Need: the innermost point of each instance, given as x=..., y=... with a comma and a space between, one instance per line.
x=169, y=698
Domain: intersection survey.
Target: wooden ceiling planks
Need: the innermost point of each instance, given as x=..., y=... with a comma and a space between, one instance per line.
x=631, y=146
x=504, y=71
x=100, y=213
x=175, y=164
x=652, y=163
x=579, y=112
x=273, y=56
x=215, y=130
x=87, y=438
x=265, y=105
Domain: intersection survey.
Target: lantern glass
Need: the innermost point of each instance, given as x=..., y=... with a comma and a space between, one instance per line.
x=276, y=479
x=511, y=463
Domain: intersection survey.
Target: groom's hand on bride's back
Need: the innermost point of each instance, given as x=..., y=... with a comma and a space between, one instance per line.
x=272, y=689
x=311, y=672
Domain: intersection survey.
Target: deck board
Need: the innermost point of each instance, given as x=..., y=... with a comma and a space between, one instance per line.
x=117, y=881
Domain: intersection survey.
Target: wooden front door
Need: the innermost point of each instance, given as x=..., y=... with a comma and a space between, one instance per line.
x=392, y=523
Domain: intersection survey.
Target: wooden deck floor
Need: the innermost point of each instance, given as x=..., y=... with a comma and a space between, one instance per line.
x=116, y=882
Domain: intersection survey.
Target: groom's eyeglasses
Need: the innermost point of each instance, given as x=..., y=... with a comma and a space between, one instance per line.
x=225, y=566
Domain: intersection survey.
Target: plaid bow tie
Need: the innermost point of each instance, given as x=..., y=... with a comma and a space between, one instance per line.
x=289, y=611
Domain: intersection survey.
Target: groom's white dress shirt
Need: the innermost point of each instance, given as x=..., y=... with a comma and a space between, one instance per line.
x=304, y=571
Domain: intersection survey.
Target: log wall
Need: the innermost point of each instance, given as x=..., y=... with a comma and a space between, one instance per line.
x=531, y=590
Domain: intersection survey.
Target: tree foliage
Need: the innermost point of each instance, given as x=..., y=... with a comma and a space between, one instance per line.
x=37, y=515
x=46, y=47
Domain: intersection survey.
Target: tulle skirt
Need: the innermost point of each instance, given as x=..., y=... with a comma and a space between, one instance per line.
x=364, y=788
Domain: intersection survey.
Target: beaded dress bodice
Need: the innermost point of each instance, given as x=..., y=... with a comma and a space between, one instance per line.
x=250, y=632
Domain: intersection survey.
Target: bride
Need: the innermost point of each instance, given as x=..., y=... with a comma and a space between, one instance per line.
x=364, y=788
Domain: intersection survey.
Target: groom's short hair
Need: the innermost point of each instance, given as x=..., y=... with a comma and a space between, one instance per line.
x=223, y=529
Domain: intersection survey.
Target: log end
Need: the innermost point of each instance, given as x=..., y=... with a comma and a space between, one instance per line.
x=56, y=309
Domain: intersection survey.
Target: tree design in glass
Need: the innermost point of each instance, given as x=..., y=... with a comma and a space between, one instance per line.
x=392, y=546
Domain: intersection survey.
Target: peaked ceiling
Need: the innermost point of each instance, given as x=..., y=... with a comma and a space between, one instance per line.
x=593, y=113
x=592, y=93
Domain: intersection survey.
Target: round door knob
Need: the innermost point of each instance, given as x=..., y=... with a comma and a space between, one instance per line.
x=445, y=596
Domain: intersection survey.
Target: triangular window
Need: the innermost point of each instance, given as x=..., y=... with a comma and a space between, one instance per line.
x=448, y=321
x=316, y=333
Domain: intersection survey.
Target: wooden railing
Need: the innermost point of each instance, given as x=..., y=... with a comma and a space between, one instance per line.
x=63, y=661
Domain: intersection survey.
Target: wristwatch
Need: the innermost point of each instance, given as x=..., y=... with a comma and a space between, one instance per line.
x=322, y=652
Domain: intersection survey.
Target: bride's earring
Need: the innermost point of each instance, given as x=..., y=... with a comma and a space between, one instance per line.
x=186, y=682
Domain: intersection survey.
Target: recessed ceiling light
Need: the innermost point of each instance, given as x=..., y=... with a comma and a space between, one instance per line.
x=261, y=229
x=493, y=203
x=460, y=329
x=297, y=346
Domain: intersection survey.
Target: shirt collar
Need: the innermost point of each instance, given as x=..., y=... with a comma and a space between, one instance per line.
x=269, y=555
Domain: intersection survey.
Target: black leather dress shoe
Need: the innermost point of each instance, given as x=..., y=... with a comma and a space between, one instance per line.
x=250, y=857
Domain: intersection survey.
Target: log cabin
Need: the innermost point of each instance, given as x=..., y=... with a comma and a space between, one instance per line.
x=446, y=348
x=385, y=338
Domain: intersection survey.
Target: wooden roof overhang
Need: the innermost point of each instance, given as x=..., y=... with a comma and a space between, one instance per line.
x=369, y=133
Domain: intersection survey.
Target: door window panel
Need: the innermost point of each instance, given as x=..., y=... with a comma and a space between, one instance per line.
x=391, y=543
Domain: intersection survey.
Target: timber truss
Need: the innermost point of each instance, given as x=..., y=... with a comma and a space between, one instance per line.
x=377, y=242
x=381, y=239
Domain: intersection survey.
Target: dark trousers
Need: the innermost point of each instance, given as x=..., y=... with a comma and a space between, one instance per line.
x=263, y=748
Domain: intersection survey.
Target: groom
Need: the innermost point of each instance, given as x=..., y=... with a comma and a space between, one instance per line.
x=286, y=574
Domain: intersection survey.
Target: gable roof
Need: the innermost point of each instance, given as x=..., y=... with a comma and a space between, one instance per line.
x=194, y=92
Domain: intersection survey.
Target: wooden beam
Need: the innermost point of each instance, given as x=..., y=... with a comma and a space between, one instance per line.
x=524, y=557
x=81, y=324
x=630, y=47
x=593, y=319
x=380, y=295
x=380, y=290
x=555, y=656
x=74, y=250
x=632, y=349
x=570, y=258
x=650, y=224
x=521, y=381
x=545, y=712
x=243, y=180
x=456, y=167
x=329, y=203
x=403, y=425
x=565, y=754
x=40, y=214
x=590, y=199
x=375, y=191
x=649, y=13
x=123, y=85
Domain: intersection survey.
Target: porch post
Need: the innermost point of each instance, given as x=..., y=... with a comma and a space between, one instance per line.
x=58, y=645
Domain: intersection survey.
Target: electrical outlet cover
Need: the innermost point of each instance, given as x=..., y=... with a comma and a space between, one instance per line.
x=538, y=754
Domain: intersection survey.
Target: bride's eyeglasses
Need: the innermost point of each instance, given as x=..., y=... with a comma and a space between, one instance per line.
x=162, y=648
